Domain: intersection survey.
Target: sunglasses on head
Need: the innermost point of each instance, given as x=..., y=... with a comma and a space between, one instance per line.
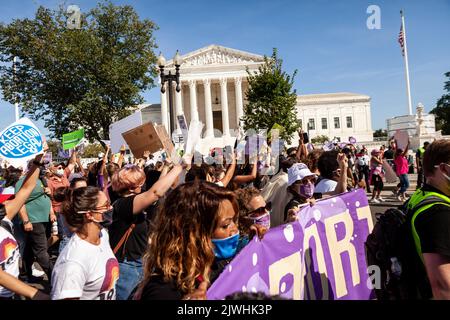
x=261, y=210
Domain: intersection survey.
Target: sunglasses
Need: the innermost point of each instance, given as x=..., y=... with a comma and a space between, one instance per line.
x=306, y=180
x=261, y=210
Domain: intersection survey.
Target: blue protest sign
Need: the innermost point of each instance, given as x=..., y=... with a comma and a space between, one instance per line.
x=20, y=142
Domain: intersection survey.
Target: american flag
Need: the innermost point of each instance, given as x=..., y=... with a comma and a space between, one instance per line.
x=401, y=40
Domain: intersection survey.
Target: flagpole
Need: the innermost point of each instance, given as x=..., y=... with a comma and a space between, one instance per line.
x=408, y=88
x=16, y=104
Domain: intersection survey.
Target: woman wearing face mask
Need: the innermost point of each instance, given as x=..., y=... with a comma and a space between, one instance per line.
x=129, y=230
x=301, y=186
x=57, y=177
x=196, y=225
x=254, y=213
x=86, y=269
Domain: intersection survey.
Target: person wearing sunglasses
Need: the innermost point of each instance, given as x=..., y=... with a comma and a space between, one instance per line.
x=86, y=269
x=301, y=183
x=254, y=213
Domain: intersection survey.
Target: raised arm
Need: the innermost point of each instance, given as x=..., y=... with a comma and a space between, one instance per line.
x=302, y=151
x=145, y=199
x=121, y=156
x=405, y=152
x=247, y=178
x=230, y=172
x=13, y=206
x=72, y=160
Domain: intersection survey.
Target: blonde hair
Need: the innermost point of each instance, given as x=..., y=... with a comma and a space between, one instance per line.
x=129, y=177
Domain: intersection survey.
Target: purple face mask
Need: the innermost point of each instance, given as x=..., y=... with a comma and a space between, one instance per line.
x=263, y=220
x=307, y=190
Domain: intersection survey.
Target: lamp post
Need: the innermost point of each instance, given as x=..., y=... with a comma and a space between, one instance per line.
x=177, y=60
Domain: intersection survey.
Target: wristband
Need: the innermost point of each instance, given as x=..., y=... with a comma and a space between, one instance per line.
x=26, y=222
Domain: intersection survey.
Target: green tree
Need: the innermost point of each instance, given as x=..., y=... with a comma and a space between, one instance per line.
x=380, y=133
x=442, y=109
x=320, y=139
x=71, y=78
x=92, y=150
x=271, y=98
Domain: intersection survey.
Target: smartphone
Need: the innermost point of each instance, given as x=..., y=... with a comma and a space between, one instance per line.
x=305, y=137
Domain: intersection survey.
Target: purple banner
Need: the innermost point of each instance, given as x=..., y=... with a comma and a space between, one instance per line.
x=321, y=256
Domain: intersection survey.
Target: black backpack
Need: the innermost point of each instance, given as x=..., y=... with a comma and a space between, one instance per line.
x=391, y=247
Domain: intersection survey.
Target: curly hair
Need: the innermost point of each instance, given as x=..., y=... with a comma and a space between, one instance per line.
x=180, y=247
x=81, y=199
x=244, y=196
x=313, y=158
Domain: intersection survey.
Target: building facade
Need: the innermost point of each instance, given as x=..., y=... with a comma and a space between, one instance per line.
x=213, y=83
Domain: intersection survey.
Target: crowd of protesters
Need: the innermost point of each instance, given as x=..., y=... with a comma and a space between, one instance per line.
x=164, y=230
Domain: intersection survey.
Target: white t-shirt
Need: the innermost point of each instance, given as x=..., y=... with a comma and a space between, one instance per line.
x=9, y=256
x=325, y=185
x=85, y=271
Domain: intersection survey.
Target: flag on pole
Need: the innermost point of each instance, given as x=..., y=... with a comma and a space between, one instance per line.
x=401, y=40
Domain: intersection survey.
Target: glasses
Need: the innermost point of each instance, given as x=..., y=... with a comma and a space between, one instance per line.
x=102, y=209
x=261, y=210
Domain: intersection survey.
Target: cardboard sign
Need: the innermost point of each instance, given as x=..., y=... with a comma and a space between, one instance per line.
x=70, y=140
x=20, y=142
x=143, y=138
x=165, y=139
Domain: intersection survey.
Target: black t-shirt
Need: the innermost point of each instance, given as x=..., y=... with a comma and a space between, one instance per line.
x=388, y=154
x=123, y=218
x=113, y=196
x=433, y=227
x=158, y=289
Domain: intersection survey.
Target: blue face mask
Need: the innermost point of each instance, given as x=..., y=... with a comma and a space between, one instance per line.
x=226, y=248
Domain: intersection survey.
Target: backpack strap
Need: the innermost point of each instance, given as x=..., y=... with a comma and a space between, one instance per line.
x=124, y=239
x=423, y=205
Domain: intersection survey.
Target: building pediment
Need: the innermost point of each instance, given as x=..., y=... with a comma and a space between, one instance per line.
x=215, y=55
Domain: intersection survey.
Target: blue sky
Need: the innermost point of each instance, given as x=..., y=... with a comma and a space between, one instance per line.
x=326, y=40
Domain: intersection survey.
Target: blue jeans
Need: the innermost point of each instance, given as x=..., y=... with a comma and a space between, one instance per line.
x=404, y=183
x=130, y=273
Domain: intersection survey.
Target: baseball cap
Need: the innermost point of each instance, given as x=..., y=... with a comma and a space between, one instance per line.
x=298, y=171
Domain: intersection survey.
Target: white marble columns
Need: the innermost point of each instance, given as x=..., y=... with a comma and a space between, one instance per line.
x=193, y=100
x=239, y=101
x=224, y=99
x=208, y=108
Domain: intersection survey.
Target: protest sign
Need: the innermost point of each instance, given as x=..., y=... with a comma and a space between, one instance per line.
x=321, y=256
x=70, y=140
x=165, y=139
x=401, y=138
x=148, y=137
x=143, y=138
x=390, y=175
x=193, y=136
x=20, y=142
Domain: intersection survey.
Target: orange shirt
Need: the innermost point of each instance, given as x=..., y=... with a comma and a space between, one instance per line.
x=57, y=182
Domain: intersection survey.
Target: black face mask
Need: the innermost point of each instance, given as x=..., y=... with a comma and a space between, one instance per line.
x=107, y=219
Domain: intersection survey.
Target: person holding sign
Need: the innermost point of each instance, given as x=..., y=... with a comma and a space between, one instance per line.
x=401, y=168
x=9, y=271
x=129, y=230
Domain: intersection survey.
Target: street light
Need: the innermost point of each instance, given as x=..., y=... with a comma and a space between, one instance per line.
x=177, y=61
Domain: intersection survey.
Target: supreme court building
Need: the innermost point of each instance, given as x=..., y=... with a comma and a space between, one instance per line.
x=213, y=85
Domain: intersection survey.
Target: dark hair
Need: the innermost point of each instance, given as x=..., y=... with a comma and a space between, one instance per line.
x=81, y=199
x=286, y=163
x=13, y=177
x=75, y=180
x=436, y=153
x=60, y=194
x=112, y=168
x=197, y=173
x=313, y=158
x=290, y=150
x=328, y=163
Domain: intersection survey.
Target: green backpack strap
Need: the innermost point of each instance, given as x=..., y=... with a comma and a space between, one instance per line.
x=423, y=205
